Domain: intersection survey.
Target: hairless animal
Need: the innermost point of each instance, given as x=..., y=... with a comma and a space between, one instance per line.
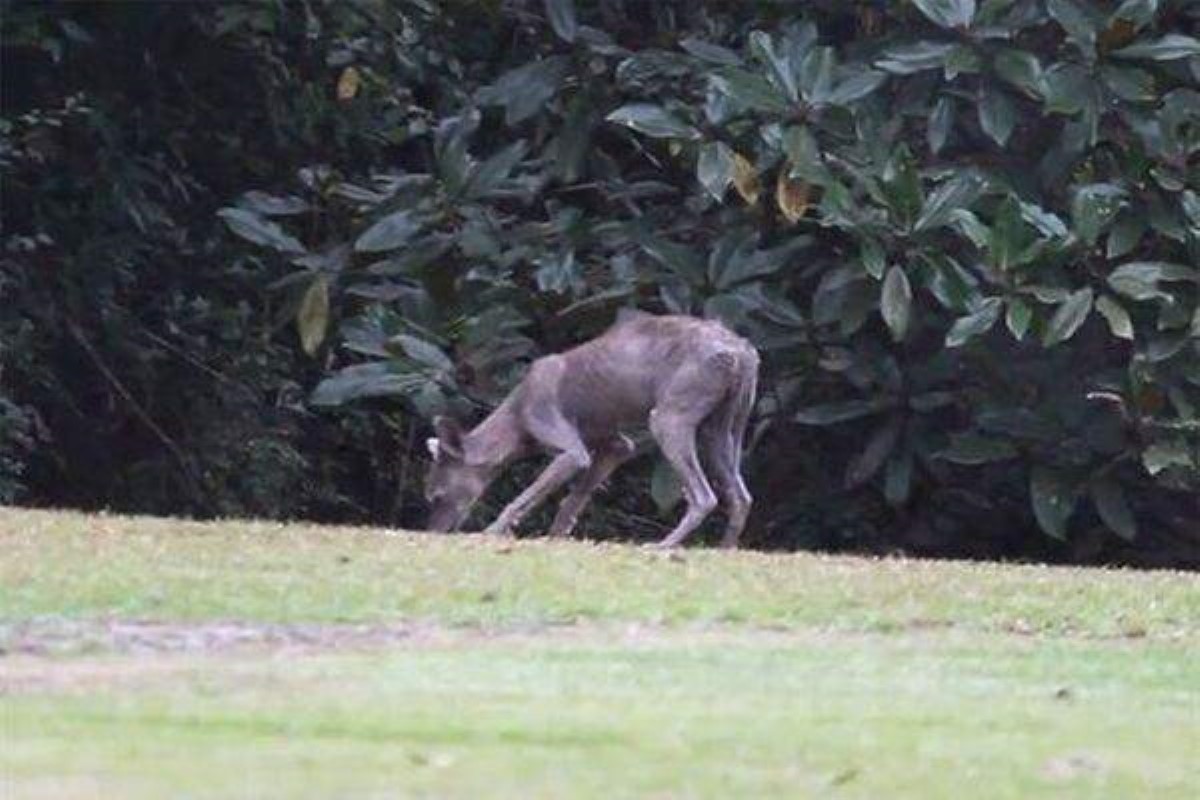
x=691, y=381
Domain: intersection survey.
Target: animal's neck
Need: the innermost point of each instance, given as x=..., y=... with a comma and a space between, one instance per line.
x=497, y=439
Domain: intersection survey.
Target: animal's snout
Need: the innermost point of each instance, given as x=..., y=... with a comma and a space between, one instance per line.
x=443, y=518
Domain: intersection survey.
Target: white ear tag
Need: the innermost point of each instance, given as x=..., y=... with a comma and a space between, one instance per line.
x=433, y=445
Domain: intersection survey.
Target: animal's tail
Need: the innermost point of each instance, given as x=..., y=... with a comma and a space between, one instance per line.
x=745, y=391
x=733, y=415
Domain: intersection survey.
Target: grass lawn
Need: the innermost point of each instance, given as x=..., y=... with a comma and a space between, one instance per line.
x=155, y=658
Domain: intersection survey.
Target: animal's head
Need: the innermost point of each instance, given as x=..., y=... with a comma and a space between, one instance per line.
x=453, y=484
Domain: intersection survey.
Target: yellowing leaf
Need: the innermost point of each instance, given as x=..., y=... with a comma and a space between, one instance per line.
x=312, y=318
x=870, y=20
x=745, y=179
x=1119, y=34
x=348, y=83
x=792, y=196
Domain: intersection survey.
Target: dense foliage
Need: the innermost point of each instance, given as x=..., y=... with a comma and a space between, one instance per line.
x=249, y=248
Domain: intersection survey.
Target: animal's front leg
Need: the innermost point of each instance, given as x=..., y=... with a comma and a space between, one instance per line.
x=559, y=472
x=613, y=454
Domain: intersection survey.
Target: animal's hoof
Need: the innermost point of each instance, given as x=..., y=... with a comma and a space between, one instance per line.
x=502, y=531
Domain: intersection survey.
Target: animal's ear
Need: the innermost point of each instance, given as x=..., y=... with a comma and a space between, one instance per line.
x=449, y=437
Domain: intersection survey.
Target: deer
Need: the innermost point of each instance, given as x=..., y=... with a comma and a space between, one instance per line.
x=692, y=382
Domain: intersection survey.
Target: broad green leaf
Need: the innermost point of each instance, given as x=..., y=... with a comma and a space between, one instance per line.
x=1168, y=48
x=714, y=168
x=1066, y=89
x=902, y=187
x=1168, y=454
x=1017, y=317
x=558, y=273
x=681, y=260
x=388, y=233
x=930, y=401
x=804, y=155
x=1047, y=294
x=1053, y=500
x=871, y=459
x=749, y=90
x=1136, y=12
x=895, y=302
x=1113, y=508
x=1048, y=224
x=954, y=287
x=1139, y=280
x=956, y=193
x=712, y=53
x=963, y=59
x=743, y=266
x=1129, y=83
x=1165, y=217
x=941, y=122
x=312, y=317
x=424, y=353
x=253, y=228
x=997, y=114
x=1079, y=25
x=653, y=120
x=817, y=75
x=272, y=205
x=912, y=58
x=1009, y=236
x=418, y=254
x=777, y=309
x=966, y=223
x=569, y=149
x=857, y=86
x=526, y=90
x=832, y=413
x=1116, y=316
x=1020, y=68
x=333, y=259
x=489, y=175
x=781, y=71
x=1190, y=201
x=976, y=323
x=1093, y=208
x=972, y=449
x=376, y=379
x=1069, y=316
x=872, y=256
x=562, y=18
x=948, y=13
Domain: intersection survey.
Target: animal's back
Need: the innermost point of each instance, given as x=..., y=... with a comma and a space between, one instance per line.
x=615, y=380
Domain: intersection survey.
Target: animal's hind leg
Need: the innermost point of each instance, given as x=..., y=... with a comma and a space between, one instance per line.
x=690, y=398
x=722, y=436
x=721, y=448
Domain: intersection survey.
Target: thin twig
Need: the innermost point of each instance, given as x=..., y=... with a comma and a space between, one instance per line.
x=188, y=357
x=405, y=460
x=134, y=405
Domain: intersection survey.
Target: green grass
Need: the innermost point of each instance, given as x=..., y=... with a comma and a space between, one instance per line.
x=543, y=669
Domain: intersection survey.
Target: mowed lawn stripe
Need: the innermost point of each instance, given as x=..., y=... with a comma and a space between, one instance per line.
x=83, y=566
